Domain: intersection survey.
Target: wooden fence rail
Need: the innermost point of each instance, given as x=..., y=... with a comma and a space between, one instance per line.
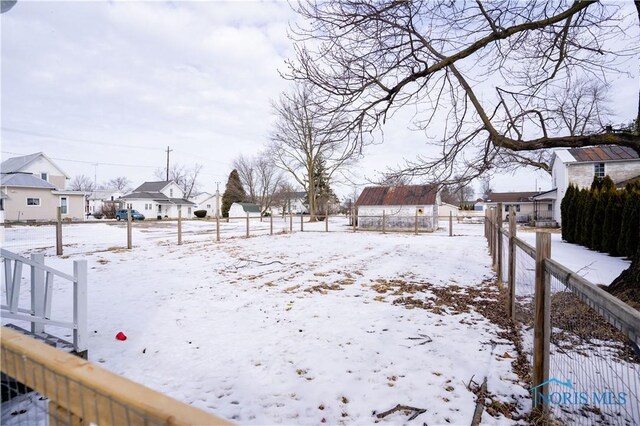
x=81, y=393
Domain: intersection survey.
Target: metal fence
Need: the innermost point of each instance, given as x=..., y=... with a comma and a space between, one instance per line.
x=580, y=342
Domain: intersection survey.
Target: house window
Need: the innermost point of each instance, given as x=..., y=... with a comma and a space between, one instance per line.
x=33, y=201
x=507, y=206
x=171, y=192
x=1, y=204
x=208, y=206
x=64, y=205
x=549, y=207
x=598, y=170
x=44, y=176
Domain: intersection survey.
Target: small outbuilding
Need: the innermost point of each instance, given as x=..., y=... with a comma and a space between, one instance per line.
x=241, y=210
x=399, y=206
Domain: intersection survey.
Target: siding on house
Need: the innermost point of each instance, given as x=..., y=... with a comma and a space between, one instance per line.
x=16, y=207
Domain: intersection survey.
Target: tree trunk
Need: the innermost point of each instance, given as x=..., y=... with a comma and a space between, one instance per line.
x=627, y=286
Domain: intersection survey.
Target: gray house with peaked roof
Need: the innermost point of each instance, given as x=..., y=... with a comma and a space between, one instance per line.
x=32, y=189
x=161, y=199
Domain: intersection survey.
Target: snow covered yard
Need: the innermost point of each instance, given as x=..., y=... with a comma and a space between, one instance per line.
x=301, y=328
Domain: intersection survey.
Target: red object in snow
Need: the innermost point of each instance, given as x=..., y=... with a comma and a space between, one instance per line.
x=121, y=336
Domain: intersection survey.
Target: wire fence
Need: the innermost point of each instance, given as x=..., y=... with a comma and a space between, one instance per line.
x=44, y=386
x=580, y=343
x=599, y=360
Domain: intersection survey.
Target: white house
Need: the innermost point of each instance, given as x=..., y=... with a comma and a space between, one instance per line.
x=400, y=205
x=522, y=201
x=446, y=209
x=290, y=203
x=207, y=201
x=100, y=197
x=32, y=189
x=162, y=199
x=579, y=166
x=238, y=210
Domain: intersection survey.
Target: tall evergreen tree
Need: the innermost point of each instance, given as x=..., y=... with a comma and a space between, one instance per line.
x=630, y=226
x=612, y=223
x=578, y=219
x=587, y=217
x=566, y=214
x=233, y=192
x=602, y=200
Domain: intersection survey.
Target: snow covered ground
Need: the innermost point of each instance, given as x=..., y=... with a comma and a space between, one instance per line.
x=301, y=328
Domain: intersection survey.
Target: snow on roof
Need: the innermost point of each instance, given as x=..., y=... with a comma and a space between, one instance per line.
x=249, y=207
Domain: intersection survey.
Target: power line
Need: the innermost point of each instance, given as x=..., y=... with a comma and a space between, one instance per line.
x=105, y=144
x=94, y=163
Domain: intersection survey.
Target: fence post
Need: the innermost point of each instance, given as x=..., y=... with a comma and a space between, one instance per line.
x=542, y=319
x=326, y=220
x=247, y=224
x=179, y=227
x=493, y=236
x=416, y=222
x=511, y=293
x=451, y=224
x=301, y=222
x=129, y=228
x=384, y=219
x=37, y=292
x=217, y=227
x=270, y=223
x=353, y=218
x=499, y=241
x=80, y=306
x=290, y=222
x=59, y=232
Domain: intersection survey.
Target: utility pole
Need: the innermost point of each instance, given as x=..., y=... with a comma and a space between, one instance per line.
x=217, y=199
x=168, y=151
x=95, y=175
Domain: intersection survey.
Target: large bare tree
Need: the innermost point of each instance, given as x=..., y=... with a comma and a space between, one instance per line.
x=82, y=183
x=493, y=76
x=485, y=73
x=261, y=179
x=311, y=130
x=185, y=177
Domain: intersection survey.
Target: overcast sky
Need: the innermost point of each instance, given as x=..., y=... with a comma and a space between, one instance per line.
x=104, y=87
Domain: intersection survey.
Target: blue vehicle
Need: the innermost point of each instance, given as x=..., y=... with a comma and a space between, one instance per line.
x=123, y=214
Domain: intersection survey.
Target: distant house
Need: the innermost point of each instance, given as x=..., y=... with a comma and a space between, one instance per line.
x=522, y=201
x=241, y=210
x=206, y=201
x=290, y=203
x=579, y=166
x=100, y=198
x=32, y=189
x=400, y=205
x=446, y=209
x=161, y=199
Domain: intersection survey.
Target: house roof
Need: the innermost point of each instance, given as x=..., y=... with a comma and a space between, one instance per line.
x=24, y=179
x=624, y=183
x=100, y=194
x=509, y=197
x=406, y=195
x=249, y=207
x=158, y=197
x=152, y=186
x=16, y=164
x=603, y=153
